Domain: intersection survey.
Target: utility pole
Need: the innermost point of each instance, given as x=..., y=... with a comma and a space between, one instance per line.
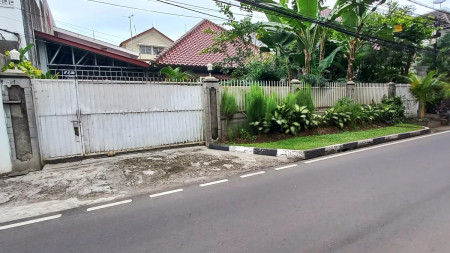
x=435, y=46
x=131, y=26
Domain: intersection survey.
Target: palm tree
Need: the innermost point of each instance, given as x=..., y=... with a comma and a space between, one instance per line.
x=176, y=74
x=425, y=89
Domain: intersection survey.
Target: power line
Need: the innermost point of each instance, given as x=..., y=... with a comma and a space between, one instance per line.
x=147, y=10
x=366, y=37
x=429, y=7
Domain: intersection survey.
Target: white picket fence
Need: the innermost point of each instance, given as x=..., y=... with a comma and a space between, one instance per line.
x=368, y=93
x=323, y=97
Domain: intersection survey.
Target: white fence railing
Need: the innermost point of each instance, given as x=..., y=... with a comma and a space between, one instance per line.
x=368, y=93
x=323, y=97
x=411, y=104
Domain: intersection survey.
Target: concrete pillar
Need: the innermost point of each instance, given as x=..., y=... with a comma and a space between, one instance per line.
x=212, y=100
x=350, y=90
x=20, y=122
x=5, y=153
x=296, y=85
x=391, y=90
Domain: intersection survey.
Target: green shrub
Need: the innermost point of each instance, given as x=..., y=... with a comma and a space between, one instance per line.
x=339, y=119
x=304, y=98
x=347, y=107
x=246, y=135
x=291, y=100
x=314, y=80
x=255, y=103
x=291, y=121
x=391, y=110
x=229, y=105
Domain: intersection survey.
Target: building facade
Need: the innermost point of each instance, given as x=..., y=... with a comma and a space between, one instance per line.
x=148, y=44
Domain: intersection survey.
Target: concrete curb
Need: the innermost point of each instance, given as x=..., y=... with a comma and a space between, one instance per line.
x=318, y=152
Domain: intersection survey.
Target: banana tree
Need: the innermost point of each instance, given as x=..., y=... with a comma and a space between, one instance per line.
x=353, y=19
x=308, y=34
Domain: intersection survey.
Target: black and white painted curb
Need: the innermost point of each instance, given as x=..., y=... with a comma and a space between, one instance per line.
x=318, y=152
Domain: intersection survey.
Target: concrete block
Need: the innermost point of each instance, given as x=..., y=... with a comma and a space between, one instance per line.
x=296, y=154
x=240, y=149
x=365, y=143
x=333, y=149
x=265, y=151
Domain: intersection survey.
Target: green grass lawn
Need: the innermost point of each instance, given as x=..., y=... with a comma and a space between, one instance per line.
x=317, y=141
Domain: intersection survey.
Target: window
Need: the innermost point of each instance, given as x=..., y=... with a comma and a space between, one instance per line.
x=7, y=3
x=157, y=50
x=145, y=49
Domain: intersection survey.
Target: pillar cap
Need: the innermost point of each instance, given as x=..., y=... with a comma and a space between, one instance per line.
x=350, y=83
x=295, y=81
x=210, y=79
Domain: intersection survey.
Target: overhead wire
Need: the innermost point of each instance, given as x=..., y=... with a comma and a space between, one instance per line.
x=366, y=37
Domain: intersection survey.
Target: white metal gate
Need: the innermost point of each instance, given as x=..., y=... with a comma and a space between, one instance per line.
x=79, y=118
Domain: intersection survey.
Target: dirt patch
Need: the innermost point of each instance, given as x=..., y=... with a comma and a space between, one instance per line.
x=88, y=181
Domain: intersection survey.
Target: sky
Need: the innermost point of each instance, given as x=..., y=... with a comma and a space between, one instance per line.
x=111, y=23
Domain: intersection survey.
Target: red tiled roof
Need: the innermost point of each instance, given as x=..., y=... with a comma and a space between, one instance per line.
x=185, y=51
x=144, y=32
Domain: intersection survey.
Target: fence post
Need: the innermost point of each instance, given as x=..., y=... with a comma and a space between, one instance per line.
x=391, y=90
x=212, y=100
x=15, y=87
x=350, y=90
x=296, y=85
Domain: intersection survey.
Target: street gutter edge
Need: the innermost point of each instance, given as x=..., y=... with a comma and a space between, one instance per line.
x=318, y=152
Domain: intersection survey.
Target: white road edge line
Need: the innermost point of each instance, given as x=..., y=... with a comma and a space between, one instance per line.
x=374, y=147
x=286, y=167
x=30, y=222
x=165, y=193
x=253, y=174
x=109, y=205
x=215, y=182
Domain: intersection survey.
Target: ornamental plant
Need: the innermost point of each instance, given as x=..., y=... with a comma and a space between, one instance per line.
x=426, y=89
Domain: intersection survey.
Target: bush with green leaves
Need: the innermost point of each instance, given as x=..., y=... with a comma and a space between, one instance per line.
x=391, y=110
x=304, y=98
x=291, y=121
x=229, y=105
x=314, y=80
x=347, y=107
x=339, y=119
x=255, y=103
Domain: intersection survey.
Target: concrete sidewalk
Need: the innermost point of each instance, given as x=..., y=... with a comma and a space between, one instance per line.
x=69, y=185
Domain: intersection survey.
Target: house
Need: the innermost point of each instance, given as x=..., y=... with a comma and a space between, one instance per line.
x=185, y=52
x=72, y=55
x=19, y=19
x=148, y=44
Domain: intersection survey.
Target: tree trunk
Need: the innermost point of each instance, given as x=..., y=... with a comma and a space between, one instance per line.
x=322, y=48
x=307, y=62
x=288, y=70
x=408, y=64
x=351, y=59
x=422, y=109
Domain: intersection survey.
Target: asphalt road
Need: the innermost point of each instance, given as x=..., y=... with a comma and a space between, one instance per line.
x=393, y=198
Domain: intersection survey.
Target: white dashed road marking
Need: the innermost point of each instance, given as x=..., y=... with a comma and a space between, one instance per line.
x=253, y=174
x=215, y=182
x=286, y=167
x=30, y=222
x=109, y=205
x=165, y=193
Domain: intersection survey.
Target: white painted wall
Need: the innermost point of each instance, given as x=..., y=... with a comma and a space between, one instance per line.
x=5, y=155
x=11, y=19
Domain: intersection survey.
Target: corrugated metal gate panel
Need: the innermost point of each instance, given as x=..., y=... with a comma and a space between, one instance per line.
x=133, y=116
x=56, y=110
x=115, y=117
